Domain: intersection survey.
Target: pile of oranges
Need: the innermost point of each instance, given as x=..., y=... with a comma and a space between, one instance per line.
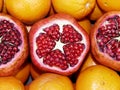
x=91, y=75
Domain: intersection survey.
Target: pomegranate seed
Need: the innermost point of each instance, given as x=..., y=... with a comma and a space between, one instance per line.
x=108, y=37
x=10, y=40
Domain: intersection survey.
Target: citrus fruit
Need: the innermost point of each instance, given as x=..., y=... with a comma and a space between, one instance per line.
x=85, y=24
x=23, y=73
x=77, y=8
x=1, y=5
x=89, y=61
x=96, y=13
x=35, y=73
x=51, y=81
x=109, y=5
x=28, y=11
x=98, y=77
x=11, y=83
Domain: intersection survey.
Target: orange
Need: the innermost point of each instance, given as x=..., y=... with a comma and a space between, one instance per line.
x=85, y=24
x=23, y=73
x=1, y=5
x=10, y=83
x=89, y=61
x=77, y=8
x=28, y=11
x=26, y=87
x=98, y=77
x=35, y=73
x=96, y=13
x=109, y=5
x=51, y=12
x=51, y=81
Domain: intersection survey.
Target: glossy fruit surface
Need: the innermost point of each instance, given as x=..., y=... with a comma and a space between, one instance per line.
x=13, y=44
x=11, y=83
x=98, y=77
x=105, y=40
x=23, y=73
x=109, y=5
x=77, y=8
x=58, y=44
x=51, y=81
x=28, y=11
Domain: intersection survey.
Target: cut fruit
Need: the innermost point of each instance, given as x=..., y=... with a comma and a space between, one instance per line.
x=13, y=44
x=58, y=44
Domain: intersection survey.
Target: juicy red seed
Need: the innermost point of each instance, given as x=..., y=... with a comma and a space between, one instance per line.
x=70, y=35
x=73, y=51
x=56, y=58
x=53, y=32
x=107, y=37
x=10, y=39
x=45, y=44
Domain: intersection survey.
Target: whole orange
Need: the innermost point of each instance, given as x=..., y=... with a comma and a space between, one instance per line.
x=85, y=24
x=77, y=8
x=96, y=13
x=109, y=5
x=89, y=61
x=51, y=81
x=28, y=11
x=35, y=73
x=98, y=77
x=11, y=83
x=23, y=73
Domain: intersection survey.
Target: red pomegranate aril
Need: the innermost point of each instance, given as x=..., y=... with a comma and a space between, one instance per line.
x=53, y=32
x=58, y=44
x=70, y=35
x=105, y=40
x=45, y=44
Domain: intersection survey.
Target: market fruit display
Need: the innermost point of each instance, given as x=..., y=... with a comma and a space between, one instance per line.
x=58, y=44
x=105, y=40
x=13, y=44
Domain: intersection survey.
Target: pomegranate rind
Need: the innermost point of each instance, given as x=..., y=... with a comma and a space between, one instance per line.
x=60, y=18
x=101, y=57
x=11, y=67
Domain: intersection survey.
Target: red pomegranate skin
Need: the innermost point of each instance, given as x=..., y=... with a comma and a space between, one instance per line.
x=21, y=56
x=104, y=56
x=41, y=61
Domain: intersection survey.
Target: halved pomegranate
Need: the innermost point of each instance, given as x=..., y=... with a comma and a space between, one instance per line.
x=13, y=44
x=58, y=44
x=105, y=40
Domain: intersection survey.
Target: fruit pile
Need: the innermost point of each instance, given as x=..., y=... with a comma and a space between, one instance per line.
x=59, y=45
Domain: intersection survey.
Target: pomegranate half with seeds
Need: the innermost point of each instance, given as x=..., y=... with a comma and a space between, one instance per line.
x=13, y=44
x=105, y=40
x=58, y=44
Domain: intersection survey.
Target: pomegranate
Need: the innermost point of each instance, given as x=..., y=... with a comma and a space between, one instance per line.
x=58, y=44
x=13, y=44
x=105, y=40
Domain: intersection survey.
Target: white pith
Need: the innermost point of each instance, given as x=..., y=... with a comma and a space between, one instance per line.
x=20, y=47
x=59, y=44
